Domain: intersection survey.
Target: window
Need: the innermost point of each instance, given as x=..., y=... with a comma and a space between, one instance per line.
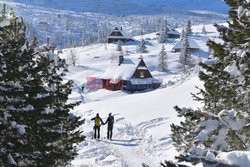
x=142, y=74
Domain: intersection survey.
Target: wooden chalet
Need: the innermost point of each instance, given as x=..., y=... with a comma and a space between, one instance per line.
x=117, y=35
x=172, y=33
x=131, y=75
x=193, y=46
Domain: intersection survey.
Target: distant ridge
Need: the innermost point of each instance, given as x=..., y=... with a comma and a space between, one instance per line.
x=130, y=6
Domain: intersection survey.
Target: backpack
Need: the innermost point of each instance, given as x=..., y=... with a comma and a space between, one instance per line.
x=97, y=121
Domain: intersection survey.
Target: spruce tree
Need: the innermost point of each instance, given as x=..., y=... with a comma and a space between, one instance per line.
x=223, y=124
x=162, y=64
x=141, y=48
x=204, y=31
x=183, y=34
x=189, y=27
x=185, y=56
x=164, y=33
x=36, y=126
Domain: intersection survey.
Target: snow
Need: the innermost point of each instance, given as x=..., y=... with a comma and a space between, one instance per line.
x=173, y=31
x=142, y=131
x=192, y=44
x=20, y=128
x=209, y=126
x=239, y=158
x=123, y=71
x=231, y=120
x=210, y=156
x=4, y=23
x=11, y=160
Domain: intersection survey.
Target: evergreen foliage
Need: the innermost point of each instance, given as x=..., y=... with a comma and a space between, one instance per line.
x=223, y=124
x=185, y=57
x=36, y=127
x=204, y=31
x=142, y=47
x=164, y=33
x=183, y=34
x=162, y=60
x=189, y=27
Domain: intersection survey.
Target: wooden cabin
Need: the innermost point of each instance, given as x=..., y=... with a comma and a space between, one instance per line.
x=117, y=35
x=172, y=33
x=131, y=75
x=193, y=46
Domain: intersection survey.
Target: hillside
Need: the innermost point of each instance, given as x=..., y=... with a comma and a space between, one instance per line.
x=70, y=24
x=142, y=120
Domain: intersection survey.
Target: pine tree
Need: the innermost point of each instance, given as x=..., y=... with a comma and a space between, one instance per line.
x=36, y=126
x=164, y=33
x=189, y=27
x=223, y=124
x=162, y=64
x=142, y=47
x=204, y=31
x=72, y=59
x=183, y=34
x=4, y=10
x=185, y=56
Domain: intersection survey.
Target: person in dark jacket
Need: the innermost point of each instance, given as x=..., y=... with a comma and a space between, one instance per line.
x=110, y=122
x=98, y=123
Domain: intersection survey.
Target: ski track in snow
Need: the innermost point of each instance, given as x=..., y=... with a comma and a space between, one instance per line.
x=131, y=146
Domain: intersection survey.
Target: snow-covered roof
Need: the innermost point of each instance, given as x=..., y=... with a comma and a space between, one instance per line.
x=173, y=31
x=170, y=31
x=119, y=35
x=124, y=71
x=116, y=29
x=192, y=44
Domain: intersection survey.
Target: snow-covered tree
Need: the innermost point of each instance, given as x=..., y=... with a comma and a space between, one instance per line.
x=176, y=25
x=3, y=12
x=141, y=48
x=36, y=128
x=164, y=32
x=189, y=27
x=183, y=34
x=204, y=31
x=223, y=124
x=185, y=57
x=72, y=59
x=162, y=60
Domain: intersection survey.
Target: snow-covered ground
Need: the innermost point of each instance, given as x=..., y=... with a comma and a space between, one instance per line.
x=142, y=131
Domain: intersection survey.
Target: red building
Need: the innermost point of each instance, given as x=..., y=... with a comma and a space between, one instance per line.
x=131, y=75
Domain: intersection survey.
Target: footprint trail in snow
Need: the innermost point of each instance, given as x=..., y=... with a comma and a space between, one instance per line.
x=131, y=146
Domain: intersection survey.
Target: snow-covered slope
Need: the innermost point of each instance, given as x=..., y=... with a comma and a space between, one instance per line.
x=74, y=23
x=142, y=120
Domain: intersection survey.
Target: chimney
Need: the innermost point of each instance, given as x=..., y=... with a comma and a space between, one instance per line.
x=121, y=28
x=120, y=59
